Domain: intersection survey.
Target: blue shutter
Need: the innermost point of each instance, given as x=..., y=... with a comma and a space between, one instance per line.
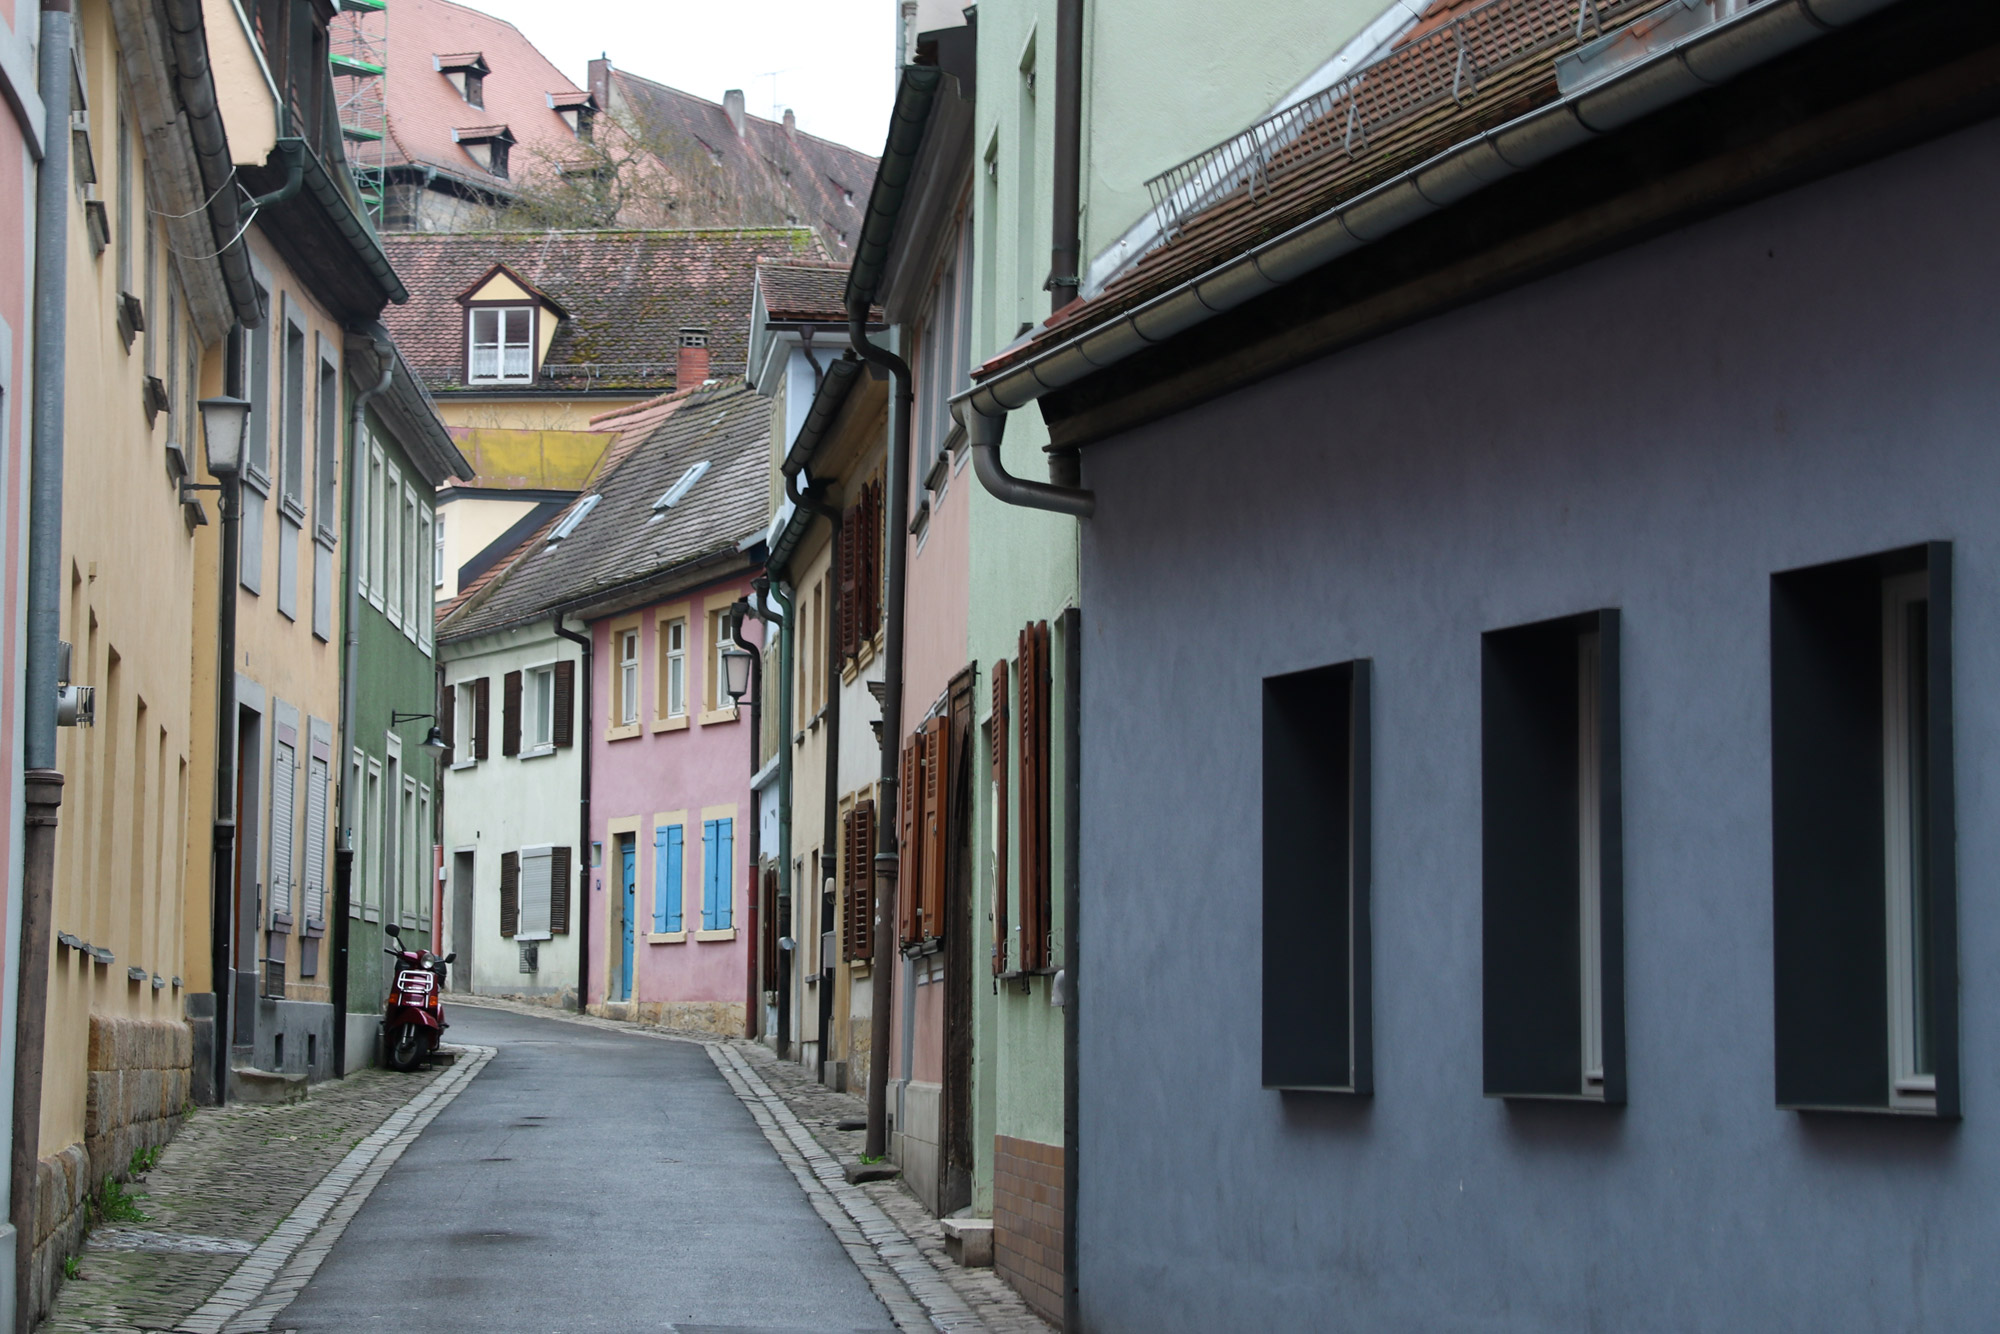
x=725, y=879
x=660, y=877
x=709, y=875
x=673, y=878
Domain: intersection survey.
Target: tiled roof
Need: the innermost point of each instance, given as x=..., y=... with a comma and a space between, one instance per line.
x=619, y=542
x=423, y=105
x=628, y=295
x=806, y=292
x=767, y=176
x=1316, y=171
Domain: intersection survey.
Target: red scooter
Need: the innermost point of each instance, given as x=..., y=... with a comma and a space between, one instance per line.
x=413, y=1022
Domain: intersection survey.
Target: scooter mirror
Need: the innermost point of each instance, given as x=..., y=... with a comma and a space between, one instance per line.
x=391, y=929
x=451, y=957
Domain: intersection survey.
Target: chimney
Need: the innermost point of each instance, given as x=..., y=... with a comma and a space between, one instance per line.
x=691, y=359
x=600, y=81
x=791, y=124
x=732, y=106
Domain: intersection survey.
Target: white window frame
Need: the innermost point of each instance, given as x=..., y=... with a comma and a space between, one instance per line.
x=541, y=692
x=413, y=567
x=377, y=519
x=391, y=897
x=437, y=549
x=675, y=664
x=371, y=852
x=537, y=892
x=1590, y=866
x=392, y=543
x=357, y=839
x=511, y=362
x=415, y=842
x=465, y=718
x=1911, y=1086
x=426, y=862
x=628, y=677
x=714, y=689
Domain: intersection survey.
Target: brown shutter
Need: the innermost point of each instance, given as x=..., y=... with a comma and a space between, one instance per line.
x=863, y=894
x=480, y=701
x=868, y=576
x=1033, y=789
x=564, y=730
x=559, y=871
x=510, y=893
x=913, y=853
x=1000, y=830
x=937, y=799
x=448, y=723
x=848, y=640
x=510, y=714
x=767, y=917
x=846, y=864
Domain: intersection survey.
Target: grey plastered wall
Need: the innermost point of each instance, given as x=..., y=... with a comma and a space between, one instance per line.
x=1813, y=377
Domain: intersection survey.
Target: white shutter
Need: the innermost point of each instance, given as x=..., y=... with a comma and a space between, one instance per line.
x=429, y=878
x=284, y=785
x=318, y=791
x=536, y=876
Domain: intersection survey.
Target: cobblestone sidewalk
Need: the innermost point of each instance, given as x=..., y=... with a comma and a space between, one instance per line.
x=924, y=1288
x=220, y=1189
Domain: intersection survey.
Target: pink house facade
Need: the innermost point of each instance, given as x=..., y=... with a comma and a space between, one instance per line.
x=672, y=905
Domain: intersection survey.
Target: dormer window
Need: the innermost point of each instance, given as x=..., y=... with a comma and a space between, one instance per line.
x=487, y=145
x=467, y=71
x=577, y=110
x=501, y=345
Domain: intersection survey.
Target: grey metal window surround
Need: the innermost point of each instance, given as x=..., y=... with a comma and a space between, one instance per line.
x=1317, y=855
x=1552, y=858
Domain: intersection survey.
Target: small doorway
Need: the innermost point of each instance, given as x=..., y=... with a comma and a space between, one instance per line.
x=461, y=920
x=628, y=894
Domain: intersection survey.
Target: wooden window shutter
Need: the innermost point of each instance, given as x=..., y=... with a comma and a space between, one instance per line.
x=560, y=862
x=1033, y=790
x=563, y=730
x=510, y=714
x=767, y=917
x=1000, y=831
x=448, y=723
x=937, y=800
x=871, y=566
x=847, y=641
x=864, y=873
x=510, y=893
x=480, y=702
x=847, y=928
x=913, y=852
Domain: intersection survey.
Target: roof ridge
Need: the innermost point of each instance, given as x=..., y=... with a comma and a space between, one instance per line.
x=523, y=233
x=748, y=114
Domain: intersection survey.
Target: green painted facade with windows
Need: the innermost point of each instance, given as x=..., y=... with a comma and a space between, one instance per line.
x=391, y=789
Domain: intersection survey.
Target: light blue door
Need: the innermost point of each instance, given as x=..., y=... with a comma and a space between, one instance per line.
x=628, y=858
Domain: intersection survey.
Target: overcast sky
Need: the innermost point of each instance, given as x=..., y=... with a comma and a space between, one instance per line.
x=831, y=61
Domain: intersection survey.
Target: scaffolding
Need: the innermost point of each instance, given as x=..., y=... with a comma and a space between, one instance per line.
x=358, y=46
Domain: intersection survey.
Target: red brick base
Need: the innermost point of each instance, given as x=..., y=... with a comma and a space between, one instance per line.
x=1028, y=1222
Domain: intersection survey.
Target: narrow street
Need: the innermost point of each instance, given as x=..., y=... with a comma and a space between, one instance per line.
x=587, y=1180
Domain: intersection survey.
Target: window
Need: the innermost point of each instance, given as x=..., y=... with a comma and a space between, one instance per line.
x=326, y=449
x=426, y=879
x=813, y=664
x=1316, y=880
x=257, y=438
x=475, y=89
x=857, y=865
x=1552, y=858
x=945, y=365
x=717, y=874
x=377, y=523
x=573, y=518
x=357, y=893
x=628, y=677
x=437, y=553
x=1863, y=834
x=392, y=847
x=673, y=494
x=415, y=541
x=716, y=688
x=421, y=607
x=673, y=666
x=860, y=618
x=537, y=884
x=410, y=878
x=542, y=702
x=667, y=858
x=291, y=480
x=371, y=859
x=392, y=542
x=501, y=342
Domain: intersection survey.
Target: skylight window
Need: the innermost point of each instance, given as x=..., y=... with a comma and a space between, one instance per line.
x=673, y=494
x=573, y=518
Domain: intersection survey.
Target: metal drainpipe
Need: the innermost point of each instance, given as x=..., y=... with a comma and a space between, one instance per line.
x=42, y=783
x=786, y=887
x=350, y=693
x=581, y=919
x=830, y=833
x=1072, y=792
x=737, y=611
x=1060, y=493
x=888, y=872
x=1065, y=256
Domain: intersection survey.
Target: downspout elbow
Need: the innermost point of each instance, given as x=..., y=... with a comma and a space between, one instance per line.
x=984, y=432
x=295, y=175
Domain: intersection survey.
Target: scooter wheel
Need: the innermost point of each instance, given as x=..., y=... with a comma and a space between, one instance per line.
x=406, y=1048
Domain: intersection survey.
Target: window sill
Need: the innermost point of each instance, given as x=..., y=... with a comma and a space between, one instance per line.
x=666, y=937
x=709, y=717
x=371, y=914
x=538, y=753
x=677, y=723
x=922, y=518
x=624, y=733
x=457, y=765
x=518, y=382
x=726, y=933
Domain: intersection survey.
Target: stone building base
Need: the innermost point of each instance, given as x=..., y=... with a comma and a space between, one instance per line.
x=1028, y=1222
x=139, y=1088
x=724, y=1019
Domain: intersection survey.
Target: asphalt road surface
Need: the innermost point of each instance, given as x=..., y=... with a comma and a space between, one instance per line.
x=587, y=1180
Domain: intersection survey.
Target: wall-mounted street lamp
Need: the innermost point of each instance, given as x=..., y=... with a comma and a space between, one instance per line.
x=736, y=673
x=434, y=741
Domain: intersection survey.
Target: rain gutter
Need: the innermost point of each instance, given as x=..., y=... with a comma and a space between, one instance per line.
x=1700, y=60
